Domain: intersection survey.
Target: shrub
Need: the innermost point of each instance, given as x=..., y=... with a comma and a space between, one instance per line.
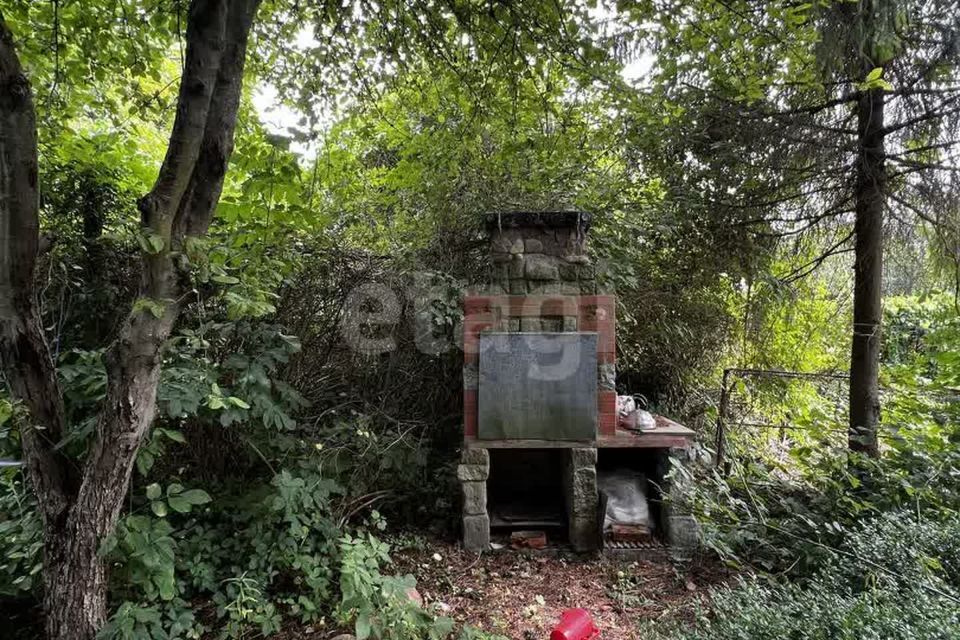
x=380, y=604
x=782, y=502
x=896, y=578
x=757, y=610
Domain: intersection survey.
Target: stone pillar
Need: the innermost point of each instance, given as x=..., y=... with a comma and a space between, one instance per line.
x=583, y=500
x=681, y=528
x=473, y=472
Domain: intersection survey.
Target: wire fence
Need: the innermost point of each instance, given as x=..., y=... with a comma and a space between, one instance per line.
x=750, y=397
x=791, y=403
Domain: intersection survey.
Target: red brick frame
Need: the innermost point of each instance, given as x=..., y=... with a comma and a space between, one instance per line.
x=594, y=313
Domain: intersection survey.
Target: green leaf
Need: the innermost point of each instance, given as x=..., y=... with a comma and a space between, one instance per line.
x=145, y=461
x=932, y=563
x=237, y=402
x=153, y=491
x=195, y=247
x=174, y=489
x=196, y=496
x=154, y=307
x=874, y=80
x=109, y=544
x=159, y=507
x=179, y=504
x=151, y=243
x=363, y=626
x=166, y=585
x=174, y=435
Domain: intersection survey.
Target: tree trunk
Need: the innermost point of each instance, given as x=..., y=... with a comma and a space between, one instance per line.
x=75, y=577
x=81, y=508
x=868, y=271
x=75, y=583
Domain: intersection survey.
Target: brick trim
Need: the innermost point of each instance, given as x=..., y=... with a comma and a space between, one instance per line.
x=470, y=414
x=606, y=412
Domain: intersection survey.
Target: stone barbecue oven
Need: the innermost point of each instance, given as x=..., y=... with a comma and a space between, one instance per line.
x=540, y=403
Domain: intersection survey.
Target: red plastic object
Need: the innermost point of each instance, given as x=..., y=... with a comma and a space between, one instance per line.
x=575, y=624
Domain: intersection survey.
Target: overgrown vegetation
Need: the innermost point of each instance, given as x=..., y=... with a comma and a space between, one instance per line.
x=898, y=580
x=283, y=459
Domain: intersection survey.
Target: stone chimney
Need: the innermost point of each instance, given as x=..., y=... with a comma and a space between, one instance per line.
x=540, y=252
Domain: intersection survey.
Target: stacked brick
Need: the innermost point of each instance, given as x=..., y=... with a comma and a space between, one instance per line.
x=473, y=472
x=682, y=531
x=540, y=253
x=541, y=280
x=583, y=505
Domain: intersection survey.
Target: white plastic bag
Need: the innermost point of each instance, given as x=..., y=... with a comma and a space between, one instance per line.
x=626, y=492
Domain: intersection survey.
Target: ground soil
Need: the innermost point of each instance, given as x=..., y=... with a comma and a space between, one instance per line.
x=516, y=594
x=521, y=594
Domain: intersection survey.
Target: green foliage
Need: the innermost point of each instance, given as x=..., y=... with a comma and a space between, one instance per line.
x=359, y=53
x=922, y=376
x=21, y=537
x=246, y=606
x=792, y=493
x=255, y=556
x=454, y=111
x=176, y=498
x=168, y=550
x=780, y=512
x=426, y=159
x=160, y=621
x=282, y=540
x=874, y=80
x=380, y=605
x=896, y=577
x=372, y=458
x=207, y=378
x=143, y=553
x=277, y=551
x=221, y=373
x=794, y=326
